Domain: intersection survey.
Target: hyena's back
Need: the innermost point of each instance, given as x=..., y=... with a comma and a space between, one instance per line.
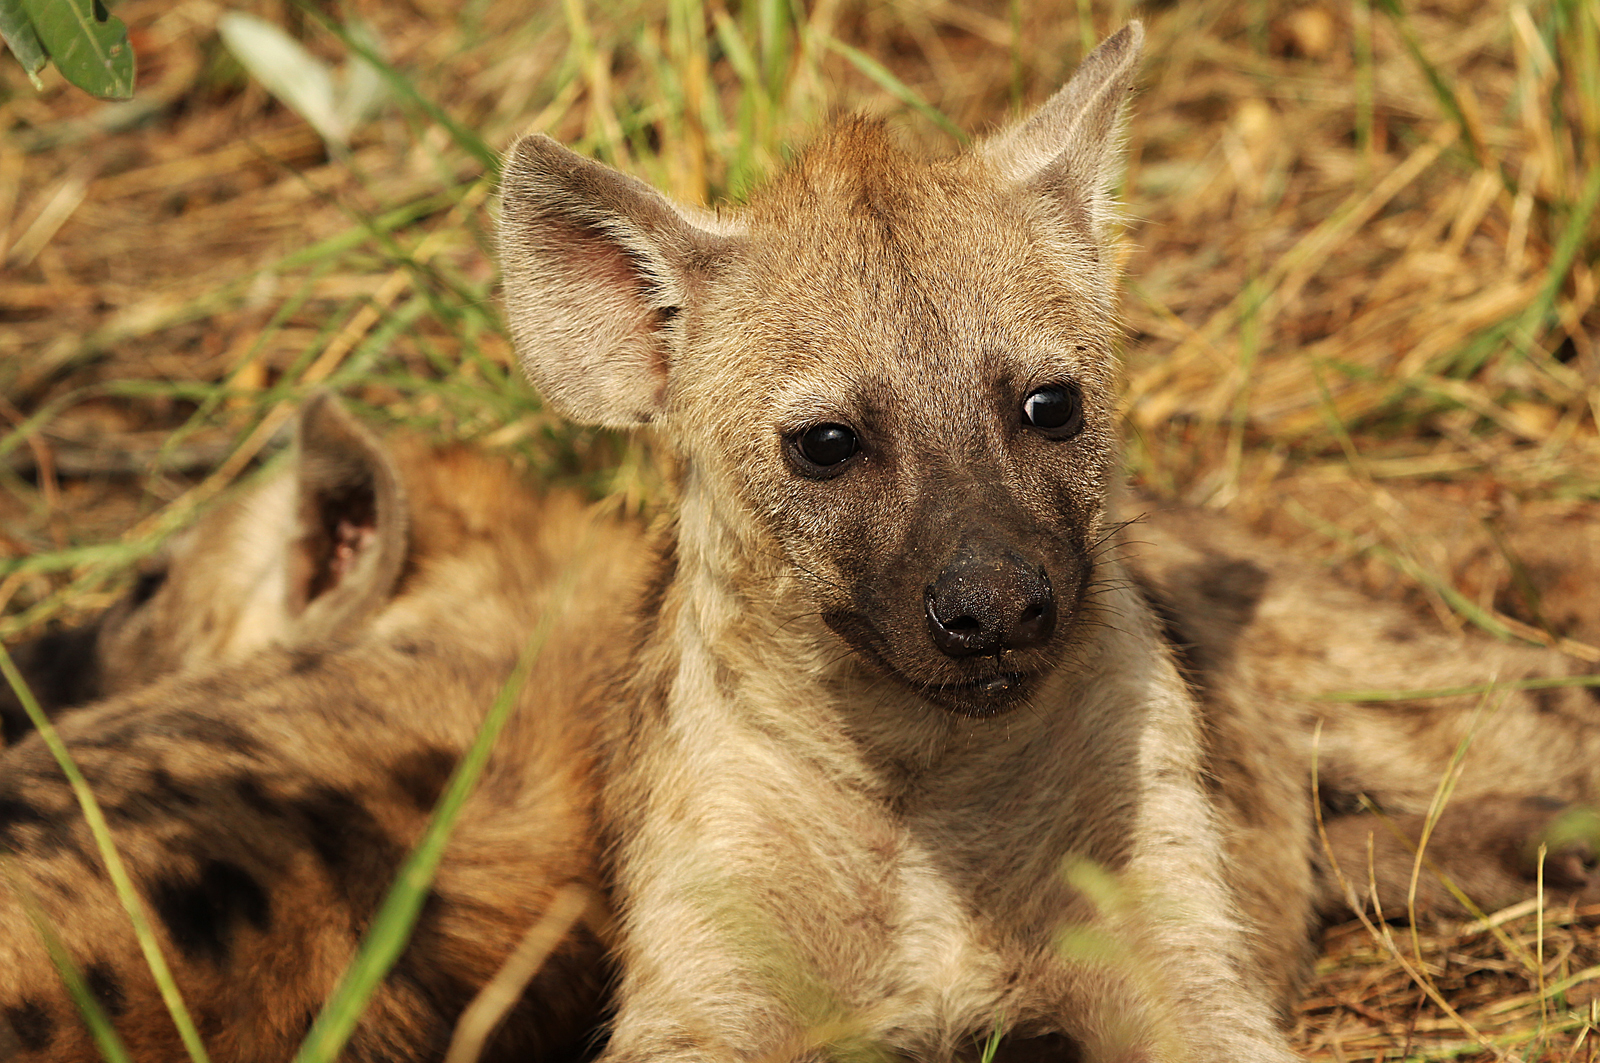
x=264, y=808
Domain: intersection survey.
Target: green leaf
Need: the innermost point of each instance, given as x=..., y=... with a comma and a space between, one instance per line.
x=89, y=47
x=23, y=42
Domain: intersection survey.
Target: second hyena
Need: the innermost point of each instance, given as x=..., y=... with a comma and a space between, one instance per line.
x=264, y=798
x=316, y=551
x=1264, y=636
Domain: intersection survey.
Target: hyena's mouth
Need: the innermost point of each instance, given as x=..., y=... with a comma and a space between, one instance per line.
x=986, y=686
x=976, y=687
x=988, y=696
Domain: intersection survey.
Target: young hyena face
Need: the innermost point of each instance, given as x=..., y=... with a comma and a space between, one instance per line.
x=926, y=430
x=889, y=379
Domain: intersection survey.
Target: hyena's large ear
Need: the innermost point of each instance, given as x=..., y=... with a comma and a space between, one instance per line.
x=353, y=522
x=1070, y=149
x=597, y=266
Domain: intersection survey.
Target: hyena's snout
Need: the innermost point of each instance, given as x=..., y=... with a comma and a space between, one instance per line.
x=988, y=599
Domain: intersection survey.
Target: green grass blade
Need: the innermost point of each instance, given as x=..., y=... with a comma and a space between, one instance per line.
x=1436, y=80
x=120, y=879
x=391, y=928
x=112, y=1050
x=886, y=80
x=1535, y=683
x=405, y=88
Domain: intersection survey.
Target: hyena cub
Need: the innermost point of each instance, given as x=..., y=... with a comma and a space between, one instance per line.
x=263, y=800
x=897, y=756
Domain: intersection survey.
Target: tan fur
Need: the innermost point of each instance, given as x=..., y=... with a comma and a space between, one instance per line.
x=263, y=808
x=825, y=839
x=1265, y=636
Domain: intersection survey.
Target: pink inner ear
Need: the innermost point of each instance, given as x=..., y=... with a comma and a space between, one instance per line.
x=597, y=261
x=343, y=524
x=349, y=540
x=618, y=285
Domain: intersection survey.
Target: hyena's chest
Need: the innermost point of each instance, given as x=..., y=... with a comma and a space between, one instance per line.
x=812, y=881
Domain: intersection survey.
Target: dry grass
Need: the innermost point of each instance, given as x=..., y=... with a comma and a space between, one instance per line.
x=1362, y=312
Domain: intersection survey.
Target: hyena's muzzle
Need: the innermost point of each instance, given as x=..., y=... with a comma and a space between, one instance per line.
x=972, y=610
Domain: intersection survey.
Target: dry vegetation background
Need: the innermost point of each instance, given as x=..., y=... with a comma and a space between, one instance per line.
x=1361, y=310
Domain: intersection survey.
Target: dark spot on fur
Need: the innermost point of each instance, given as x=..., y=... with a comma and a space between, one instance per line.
x=106, y=988
x=200, y=916
x=50, y=832
x=256, y=798
x=32, y=1024
x=61, y=669
x=1546, y=699
x=303, y=661
x=1030, y=1048
x=1232, y=586
x=1338, y=802
x=1400, y=633
x=1220, y=592
x=169, y=790
x=14, y=811
x=212, y=731
x=359, y=855
x=422, y=775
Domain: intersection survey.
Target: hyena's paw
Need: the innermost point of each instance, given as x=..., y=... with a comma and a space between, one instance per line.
x=1481, y=854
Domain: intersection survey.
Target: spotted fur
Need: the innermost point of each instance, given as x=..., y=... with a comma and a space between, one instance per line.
x=263, y=804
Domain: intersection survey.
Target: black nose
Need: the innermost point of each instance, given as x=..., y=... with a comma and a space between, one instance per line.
x=988, y=600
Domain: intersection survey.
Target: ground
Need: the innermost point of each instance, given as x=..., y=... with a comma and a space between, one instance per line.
x=1361, y=310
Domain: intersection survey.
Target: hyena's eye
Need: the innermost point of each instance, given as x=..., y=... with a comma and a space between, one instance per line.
x=1055, y=409
x=823, y=449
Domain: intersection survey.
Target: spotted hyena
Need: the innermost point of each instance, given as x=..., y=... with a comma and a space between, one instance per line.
x=263, y=800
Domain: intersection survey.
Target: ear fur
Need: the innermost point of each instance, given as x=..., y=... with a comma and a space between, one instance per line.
x=353, y=522
x=597, y=265
x=1070, y=149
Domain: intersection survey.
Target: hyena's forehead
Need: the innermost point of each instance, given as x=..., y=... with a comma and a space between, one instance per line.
x=863, y=256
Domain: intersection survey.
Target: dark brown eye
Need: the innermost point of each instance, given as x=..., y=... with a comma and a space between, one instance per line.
x=1055, y=409
x=825, y=447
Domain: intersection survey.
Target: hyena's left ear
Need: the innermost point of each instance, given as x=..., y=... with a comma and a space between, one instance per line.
x=597, y=266
x=1070, y=149
x=354, y=523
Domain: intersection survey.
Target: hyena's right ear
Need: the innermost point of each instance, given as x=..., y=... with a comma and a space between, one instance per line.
x=597, y=266
x=354, y=523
